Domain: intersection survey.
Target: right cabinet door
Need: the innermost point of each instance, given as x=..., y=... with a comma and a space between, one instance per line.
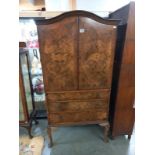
x=96, y=53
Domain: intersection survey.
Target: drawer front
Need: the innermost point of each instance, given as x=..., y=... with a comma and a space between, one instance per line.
x=65, y=106
x=77, y=95
x=63, y=118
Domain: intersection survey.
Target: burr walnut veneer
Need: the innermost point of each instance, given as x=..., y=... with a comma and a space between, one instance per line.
x=77, y=51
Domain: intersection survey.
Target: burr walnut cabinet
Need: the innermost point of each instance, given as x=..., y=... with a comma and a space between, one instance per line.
x=77, y=52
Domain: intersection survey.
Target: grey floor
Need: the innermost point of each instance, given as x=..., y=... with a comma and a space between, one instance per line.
x=82, y=140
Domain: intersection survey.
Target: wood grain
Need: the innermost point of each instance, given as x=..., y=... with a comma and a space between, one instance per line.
x=58, y=54
x=96, y=53
x=77, y=117
x=79, y=105
x=78, y=95
x=77, y=52
x=122, y=113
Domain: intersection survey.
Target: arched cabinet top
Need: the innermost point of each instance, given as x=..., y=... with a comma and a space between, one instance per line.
x=79, y=13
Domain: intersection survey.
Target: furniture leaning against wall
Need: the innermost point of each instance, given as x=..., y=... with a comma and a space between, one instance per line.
x=27, y=111
x=77, y=51
x=122, y=112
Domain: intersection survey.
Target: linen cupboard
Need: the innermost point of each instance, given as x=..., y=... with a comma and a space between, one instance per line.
x=77, y=53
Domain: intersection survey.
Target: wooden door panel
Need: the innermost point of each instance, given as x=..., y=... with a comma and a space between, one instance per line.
x=58, y=45
x=96, y=52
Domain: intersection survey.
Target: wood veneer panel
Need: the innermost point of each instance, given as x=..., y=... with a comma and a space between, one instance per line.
x=78, y=95
x=77, y=52
x=76, y=117
x=127, y=75
x=57, y=43
x=122, y=113
x=96, y=53
x=79, y=105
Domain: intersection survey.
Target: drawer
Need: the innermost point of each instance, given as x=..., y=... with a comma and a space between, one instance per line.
x=77, y=105
x=78, y=117
x=77, y=95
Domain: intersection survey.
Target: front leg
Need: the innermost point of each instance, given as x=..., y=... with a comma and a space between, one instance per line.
x=49, y=130
x=106, y=130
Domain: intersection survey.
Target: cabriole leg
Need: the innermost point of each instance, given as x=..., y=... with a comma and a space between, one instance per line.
x=49, y=130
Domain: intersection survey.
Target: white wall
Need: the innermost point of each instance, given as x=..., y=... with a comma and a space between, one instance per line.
x=100, y=5
x=89, y=5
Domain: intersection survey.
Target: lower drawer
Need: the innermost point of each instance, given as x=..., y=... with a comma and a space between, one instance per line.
x=78, y=105
x=72, y=117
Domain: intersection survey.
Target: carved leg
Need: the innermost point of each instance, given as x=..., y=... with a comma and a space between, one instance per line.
x=29, y=131
x=106, y=130
x=49, y=130
x=129, y=137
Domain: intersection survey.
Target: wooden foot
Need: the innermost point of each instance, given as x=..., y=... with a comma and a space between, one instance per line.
x=49, y=130
x=29, y=131
x=106, y=131
x=129, y=137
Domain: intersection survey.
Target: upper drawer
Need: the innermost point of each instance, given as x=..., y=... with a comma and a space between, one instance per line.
x=78, y=95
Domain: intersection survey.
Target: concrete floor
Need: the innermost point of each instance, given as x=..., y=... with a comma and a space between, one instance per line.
x=82, y=140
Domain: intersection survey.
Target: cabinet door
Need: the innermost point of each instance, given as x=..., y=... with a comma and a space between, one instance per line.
x=58, y=46
x=96, y=52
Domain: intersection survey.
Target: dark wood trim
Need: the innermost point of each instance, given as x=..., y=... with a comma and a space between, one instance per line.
x=78, y=13
x=34, y=18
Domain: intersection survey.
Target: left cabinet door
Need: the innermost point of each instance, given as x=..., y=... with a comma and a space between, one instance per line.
x=58, y=49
